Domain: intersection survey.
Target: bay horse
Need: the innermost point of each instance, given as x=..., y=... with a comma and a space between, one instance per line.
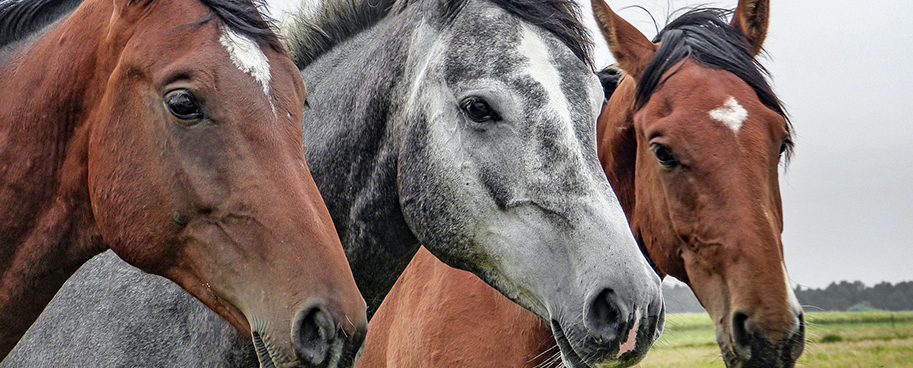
x=463, y=125
x=167, y=131
x=691, y=141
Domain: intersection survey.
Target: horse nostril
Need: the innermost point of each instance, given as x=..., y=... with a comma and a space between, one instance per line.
x=797, y=341
x=313, y=332
x=741, y=335
x=607, y=318
x=657, y=311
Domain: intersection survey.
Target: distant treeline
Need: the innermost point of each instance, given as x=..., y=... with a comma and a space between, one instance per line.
x=845, y=295
x=840, y=296
x=680, y=299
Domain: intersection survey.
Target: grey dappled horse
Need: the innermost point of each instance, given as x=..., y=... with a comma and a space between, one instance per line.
x=464, y=125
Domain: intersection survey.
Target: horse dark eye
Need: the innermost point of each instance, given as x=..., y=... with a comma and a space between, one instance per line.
x=785, y=145
x=664, y=155
x=183, y=105
x=478, y=110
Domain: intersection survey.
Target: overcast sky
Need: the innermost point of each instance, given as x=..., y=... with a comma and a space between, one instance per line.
x=845, y=72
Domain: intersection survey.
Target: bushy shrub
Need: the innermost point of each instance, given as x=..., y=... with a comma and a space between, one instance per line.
x=831, y=337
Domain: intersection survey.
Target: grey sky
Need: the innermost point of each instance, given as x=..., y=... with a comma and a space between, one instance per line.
x=845, y=72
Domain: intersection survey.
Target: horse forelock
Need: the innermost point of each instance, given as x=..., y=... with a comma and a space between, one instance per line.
x=705, y=36
x=244, y=17
x=313, y=33
x=559, y=17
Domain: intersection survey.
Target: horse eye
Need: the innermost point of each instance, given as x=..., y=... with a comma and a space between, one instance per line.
x=183, y=105
x=478, y=110
x=785, y=145
x=664, y=155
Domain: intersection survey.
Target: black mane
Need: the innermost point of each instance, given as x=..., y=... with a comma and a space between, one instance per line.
x=244, y=17
x=705, y=36
x=609, y=78
x=338, y=20
x=560, y=17
x=20, y=18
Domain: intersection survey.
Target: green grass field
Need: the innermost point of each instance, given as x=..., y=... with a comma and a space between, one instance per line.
x=834, y=339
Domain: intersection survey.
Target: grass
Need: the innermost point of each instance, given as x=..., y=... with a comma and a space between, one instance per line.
x=834, y=339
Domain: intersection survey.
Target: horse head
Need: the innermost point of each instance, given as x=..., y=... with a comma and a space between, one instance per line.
x=182, y=142
x=498, y=145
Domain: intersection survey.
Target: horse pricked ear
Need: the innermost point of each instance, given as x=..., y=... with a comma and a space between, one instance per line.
x=632, y=50
x=751, y=17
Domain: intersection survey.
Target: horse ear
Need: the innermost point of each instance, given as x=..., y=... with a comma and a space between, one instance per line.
x=752, y=17
x=632, y=50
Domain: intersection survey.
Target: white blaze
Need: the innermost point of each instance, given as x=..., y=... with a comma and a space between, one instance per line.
x=247, y=56
x=421, y=49
x=790, y=294
x=731, y=113
x=543, y=71
x=791, y=298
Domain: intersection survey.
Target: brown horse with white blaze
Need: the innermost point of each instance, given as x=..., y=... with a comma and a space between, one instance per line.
x=168, y=131
x=691, y=140
x=694, y=136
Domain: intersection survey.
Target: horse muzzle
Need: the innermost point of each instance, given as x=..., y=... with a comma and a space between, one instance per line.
x=749, y=348
x=319, y=340
x=614, y=335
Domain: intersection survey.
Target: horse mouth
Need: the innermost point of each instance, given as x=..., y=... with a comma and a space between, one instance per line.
x=266, y=361
x=766, y=355
x=570, y=356
x=339, y=355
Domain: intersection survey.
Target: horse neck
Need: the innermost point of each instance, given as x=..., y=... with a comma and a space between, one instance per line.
x=617, y=147
x=47, y=222
x=350, y=132
x=617, y=144
x=49, y=89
